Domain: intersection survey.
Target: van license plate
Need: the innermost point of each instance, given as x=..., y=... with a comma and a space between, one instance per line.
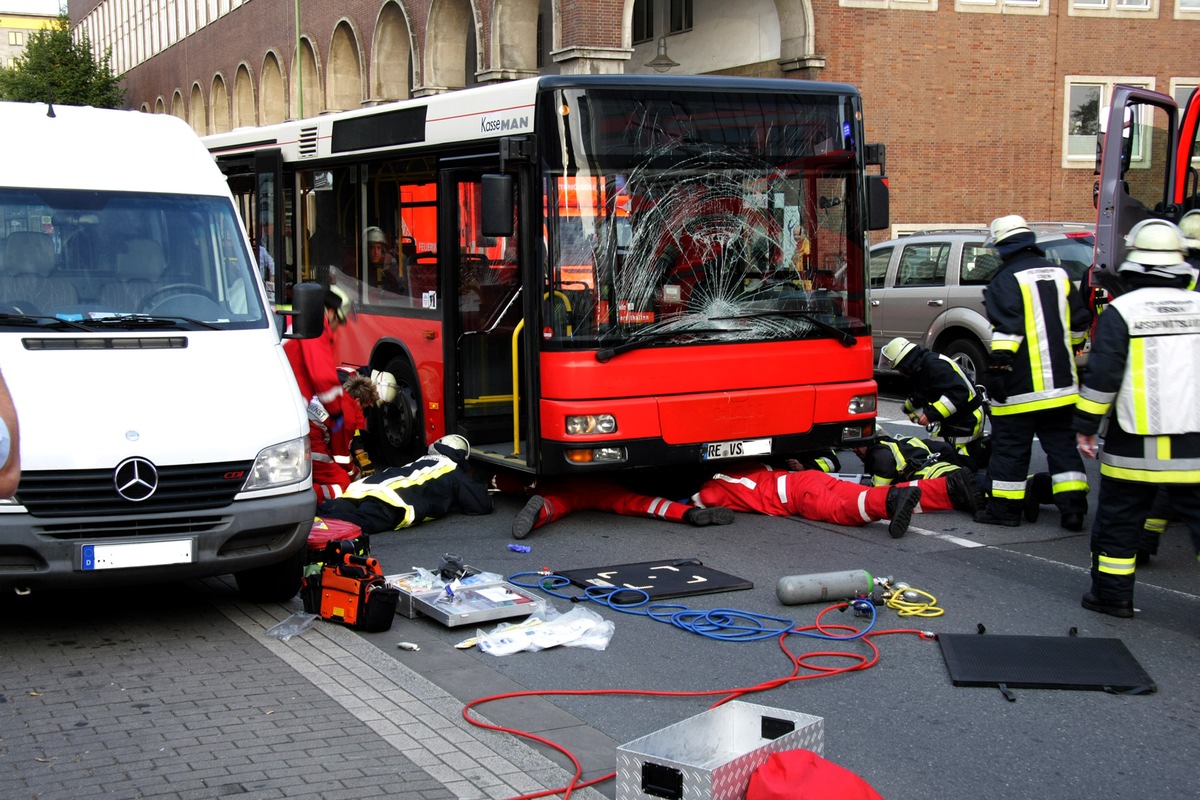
x=737, y=448
x=137, y=554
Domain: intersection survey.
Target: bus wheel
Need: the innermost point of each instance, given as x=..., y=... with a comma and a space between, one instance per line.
x=396, y=426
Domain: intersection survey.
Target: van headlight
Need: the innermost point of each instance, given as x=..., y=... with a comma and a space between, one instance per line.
x=280, y=464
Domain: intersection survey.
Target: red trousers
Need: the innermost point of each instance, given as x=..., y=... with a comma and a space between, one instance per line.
x=810, y=494
x=330, y=479
x=564, y=495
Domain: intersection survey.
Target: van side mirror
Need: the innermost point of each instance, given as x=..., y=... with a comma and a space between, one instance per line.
x=879, y=210
x=496, y=198
x=308, y=311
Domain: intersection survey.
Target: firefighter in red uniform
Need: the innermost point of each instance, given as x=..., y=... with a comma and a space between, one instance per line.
x=1142, y=374
x=1038, y=320
x=810, y=494
x=315, y=367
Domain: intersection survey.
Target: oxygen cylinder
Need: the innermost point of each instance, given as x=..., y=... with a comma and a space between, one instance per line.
x=796, y=589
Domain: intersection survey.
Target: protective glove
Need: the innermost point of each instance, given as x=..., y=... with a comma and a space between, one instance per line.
x=1001, y=361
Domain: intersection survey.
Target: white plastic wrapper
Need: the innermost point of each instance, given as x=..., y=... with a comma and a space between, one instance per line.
x=546, y=628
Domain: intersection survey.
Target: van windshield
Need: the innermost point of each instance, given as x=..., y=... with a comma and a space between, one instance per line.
x=116, y=259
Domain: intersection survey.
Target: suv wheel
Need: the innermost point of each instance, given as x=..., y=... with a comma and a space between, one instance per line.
x=969, y=356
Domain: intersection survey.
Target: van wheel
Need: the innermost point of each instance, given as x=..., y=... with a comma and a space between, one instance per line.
x=274, y=583
x=395, y=428
x=969, y=356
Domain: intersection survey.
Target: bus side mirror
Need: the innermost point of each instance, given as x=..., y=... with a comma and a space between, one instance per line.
x=308, y=311
x=878, y=204
x=496, y=199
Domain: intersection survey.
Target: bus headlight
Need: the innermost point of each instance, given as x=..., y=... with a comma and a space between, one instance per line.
x=862, y=404
x=581, y=424
x=280, y=464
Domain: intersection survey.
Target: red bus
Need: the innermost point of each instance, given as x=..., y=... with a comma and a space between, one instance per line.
x=588, y=273
x=1147, y=161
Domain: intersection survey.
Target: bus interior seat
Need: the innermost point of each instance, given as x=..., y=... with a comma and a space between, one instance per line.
x=424, y=274
x=139, y=267
x=30, y=260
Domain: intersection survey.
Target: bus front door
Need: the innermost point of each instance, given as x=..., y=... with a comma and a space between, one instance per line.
x=486, y=338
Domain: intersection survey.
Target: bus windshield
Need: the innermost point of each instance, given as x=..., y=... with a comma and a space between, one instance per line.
x=677, y=217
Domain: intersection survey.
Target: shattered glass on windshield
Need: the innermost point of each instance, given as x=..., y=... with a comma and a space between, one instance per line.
x=694, y=217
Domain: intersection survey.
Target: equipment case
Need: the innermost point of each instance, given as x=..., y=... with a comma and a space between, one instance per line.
x=471, y=604
x=711, y=756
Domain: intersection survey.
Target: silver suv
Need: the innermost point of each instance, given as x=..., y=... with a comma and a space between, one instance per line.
x=928, y=287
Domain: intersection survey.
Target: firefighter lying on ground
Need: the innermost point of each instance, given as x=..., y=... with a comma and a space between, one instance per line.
x=428, y=488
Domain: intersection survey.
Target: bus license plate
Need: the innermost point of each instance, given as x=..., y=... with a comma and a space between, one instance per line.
x=136, y=554
x=737, y=448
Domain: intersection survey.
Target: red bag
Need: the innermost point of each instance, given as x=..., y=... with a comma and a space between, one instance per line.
x=804, y=775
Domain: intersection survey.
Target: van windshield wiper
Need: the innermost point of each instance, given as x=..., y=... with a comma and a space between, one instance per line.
x=41, y=321
x=145, y=321
x=844, y=338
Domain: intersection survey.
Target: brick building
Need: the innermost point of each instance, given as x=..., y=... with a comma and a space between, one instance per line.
x=986, y=106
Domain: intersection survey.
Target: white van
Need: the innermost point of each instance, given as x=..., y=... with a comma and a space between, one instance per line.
x=162, y=433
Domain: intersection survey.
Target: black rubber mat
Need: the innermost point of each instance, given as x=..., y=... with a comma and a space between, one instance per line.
x=659, y=579
x=1043, y=662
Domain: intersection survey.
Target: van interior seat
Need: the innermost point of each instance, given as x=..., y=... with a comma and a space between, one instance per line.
x=140, y=265
x=29, y=258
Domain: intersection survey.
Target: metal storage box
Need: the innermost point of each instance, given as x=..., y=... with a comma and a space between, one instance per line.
x=470, y=605
x=711, y=756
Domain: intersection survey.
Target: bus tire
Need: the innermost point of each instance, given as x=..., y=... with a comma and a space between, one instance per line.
x=395, y=427
x=274, y=583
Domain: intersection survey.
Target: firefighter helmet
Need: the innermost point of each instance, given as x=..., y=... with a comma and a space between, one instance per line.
x=1154, y=246
x=894, y=352
x=454, y=442
x=1006, y=227
x=338, y=301
x=1189, y=226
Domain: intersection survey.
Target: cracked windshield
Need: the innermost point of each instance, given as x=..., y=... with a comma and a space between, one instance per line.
x=678, y=218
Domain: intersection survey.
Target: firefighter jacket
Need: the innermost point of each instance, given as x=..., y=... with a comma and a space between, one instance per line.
x=1143, y=371
x=940, y=389
x=1038, y=320
x=428, y=488
x=894, y=459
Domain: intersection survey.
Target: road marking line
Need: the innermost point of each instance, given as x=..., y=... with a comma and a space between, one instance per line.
x=958, y=540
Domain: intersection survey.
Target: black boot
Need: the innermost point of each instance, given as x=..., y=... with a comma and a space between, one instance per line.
x=702, y=517
x=1071, y=520
x=901, y=500
x=985, y=516
x=527, y=516
x=1110, y=594
x=1038, y=489
x=1114, y=608
x=964, y=492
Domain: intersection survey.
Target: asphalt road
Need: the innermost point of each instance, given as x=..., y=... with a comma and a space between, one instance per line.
x=901, y=724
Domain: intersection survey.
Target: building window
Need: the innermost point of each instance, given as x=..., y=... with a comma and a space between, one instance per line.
x=681, y=16
x=1187, y=9
x=1135, y=9
x=16, y=38
x=1087, y=100
x=643, y=21
x=1026, y=7
x=907, y=5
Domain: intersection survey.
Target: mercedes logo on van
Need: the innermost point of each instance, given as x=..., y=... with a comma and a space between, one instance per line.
x=135, y=479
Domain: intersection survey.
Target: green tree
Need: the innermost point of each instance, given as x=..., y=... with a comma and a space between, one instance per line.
x=58, y=68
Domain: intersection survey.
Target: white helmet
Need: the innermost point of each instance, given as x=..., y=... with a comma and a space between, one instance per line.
x=1155, y=247
x=376, y=235
x=454, y=442
x=385, y=384
x=1004, y=227
x=339, y=302
x=894, y=352
x=1189, y=226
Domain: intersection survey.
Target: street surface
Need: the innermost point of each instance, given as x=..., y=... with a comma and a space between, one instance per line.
x=900, y=724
